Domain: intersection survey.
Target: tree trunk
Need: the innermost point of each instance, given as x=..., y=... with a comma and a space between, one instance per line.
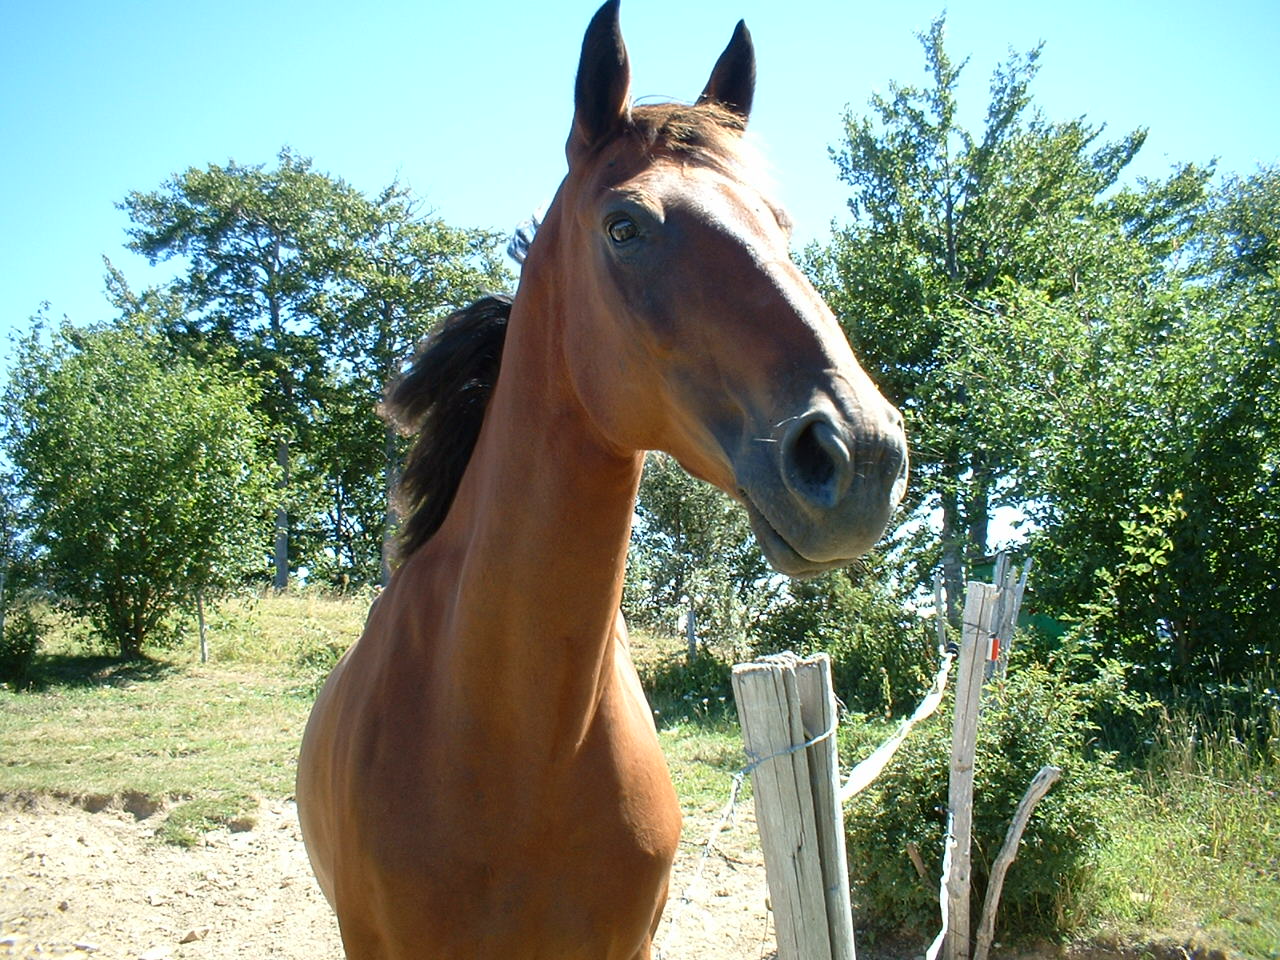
x=131, y=642
x=4, y=569
x=281, y=581
x=952, y=556
x=979, y=512
x=691, y=633
x=276, y=316
x=204, y=643
x=391, y=476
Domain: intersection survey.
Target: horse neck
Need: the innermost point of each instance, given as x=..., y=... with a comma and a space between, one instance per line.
x=540, y=528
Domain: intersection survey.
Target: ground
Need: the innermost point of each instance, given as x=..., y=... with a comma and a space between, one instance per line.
x=78, y=883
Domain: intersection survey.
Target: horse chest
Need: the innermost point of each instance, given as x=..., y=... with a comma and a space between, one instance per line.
x=496, y=853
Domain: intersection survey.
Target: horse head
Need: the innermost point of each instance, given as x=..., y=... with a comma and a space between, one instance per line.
x=689, y=329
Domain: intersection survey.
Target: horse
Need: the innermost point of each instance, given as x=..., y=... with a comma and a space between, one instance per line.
x=480, y=776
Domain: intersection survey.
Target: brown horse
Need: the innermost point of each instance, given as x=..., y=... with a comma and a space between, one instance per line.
x=480, y=777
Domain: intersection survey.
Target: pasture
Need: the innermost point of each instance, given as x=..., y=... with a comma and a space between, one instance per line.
x=150, y=803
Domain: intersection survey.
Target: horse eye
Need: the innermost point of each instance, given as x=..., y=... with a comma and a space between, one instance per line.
x=622, y=229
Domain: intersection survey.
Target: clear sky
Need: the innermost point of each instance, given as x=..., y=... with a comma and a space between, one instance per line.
x=469, y=102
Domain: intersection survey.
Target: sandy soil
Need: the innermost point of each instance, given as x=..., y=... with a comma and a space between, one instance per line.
x=75, y=884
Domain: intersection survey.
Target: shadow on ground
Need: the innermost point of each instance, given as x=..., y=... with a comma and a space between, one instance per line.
x=60, y=670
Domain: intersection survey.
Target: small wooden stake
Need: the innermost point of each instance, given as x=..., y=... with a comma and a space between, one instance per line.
x=917, y=861
x=1040, y=785
x=204, y=643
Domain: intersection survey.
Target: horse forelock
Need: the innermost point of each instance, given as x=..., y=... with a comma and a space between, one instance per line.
x=705, y=131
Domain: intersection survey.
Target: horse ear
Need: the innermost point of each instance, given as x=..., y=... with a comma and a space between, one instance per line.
x=602, y=94
x=733, y=81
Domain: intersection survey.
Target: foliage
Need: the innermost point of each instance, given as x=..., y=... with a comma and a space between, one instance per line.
x=256, y=244
x=692, y=549
x=1031, y=719
x=19, y=643
x=882, y=654
x=296, y=278
x=949, y=226
x=142, y=473
x=1102, y=357
x=1152, y=433
x=681, y=690
x=398, y=274
x=19, y=627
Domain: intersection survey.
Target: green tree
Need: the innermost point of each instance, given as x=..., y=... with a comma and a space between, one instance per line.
x=303, y=282
x=1154, y=419
x=945, y=223
x=259, y=246
x=143, y=475
x=398, y=273
x=19, y=629
x=693, y=554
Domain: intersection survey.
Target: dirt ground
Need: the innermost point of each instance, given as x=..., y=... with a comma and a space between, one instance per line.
x=76, y=884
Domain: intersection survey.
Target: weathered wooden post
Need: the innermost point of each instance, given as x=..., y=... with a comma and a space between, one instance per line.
x=979, y=608
x=788, y=713
x=1040, y=785
x=990, y=617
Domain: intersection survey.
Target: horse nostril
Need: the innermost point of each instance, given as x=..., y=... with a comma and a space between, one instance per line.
x=816, y=462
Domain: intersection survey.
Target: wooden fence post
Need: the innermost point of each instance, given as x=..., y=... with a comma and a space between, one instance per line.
x=788, y=714
x=979, y=607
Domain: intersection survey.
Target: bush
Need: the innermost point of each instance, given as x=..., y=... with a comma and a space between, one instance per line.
x=18, y=646
x=1031, y=719
x=883, y=656
x=142, y=476
x=683, y=691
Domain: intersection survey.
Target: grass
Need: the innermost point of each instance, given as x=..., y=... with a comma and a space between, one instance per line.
x=209, y=740
x=1198, y=852
x=206, y=740
x=1204, y=852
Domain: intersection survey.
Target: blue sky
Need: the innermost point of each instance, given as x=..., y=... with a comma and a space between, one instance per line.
x=469, y=103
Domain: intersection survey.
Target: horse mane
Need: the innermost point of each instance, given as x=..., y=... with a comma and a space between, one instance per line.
x=442, y=398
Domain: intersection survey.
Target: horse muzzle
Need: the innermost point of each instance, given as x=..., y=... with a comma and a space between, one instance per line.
x=820, y=492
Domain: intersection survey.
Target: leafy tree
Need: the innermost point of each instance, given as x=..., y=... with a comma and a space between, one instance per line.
x=1105, y=358
x=19, y=629
x=301, y=281
x=1154, y=420
x=946, y=222
x=693, y=553
x=142, y=472
x=399, y=273
x=258, y=244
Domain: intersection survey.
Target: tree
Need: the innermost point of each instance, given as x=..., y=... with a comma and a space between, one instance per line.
x=297, y=278
x=145, y=485
x=398, y=274
x=259, y=246
x=946, y=223
x=1156, y=428
x=19, y=629
x=693, y=556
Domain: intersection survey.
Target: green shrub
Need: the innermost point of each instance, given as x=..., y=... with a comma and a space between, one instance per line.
x=883, y=656
x=1030, y=720
x=683, y=691
x=18, y=646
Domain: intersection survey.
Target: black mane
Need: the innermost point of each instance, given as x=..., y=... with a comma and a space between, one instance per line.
x=442, y=398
